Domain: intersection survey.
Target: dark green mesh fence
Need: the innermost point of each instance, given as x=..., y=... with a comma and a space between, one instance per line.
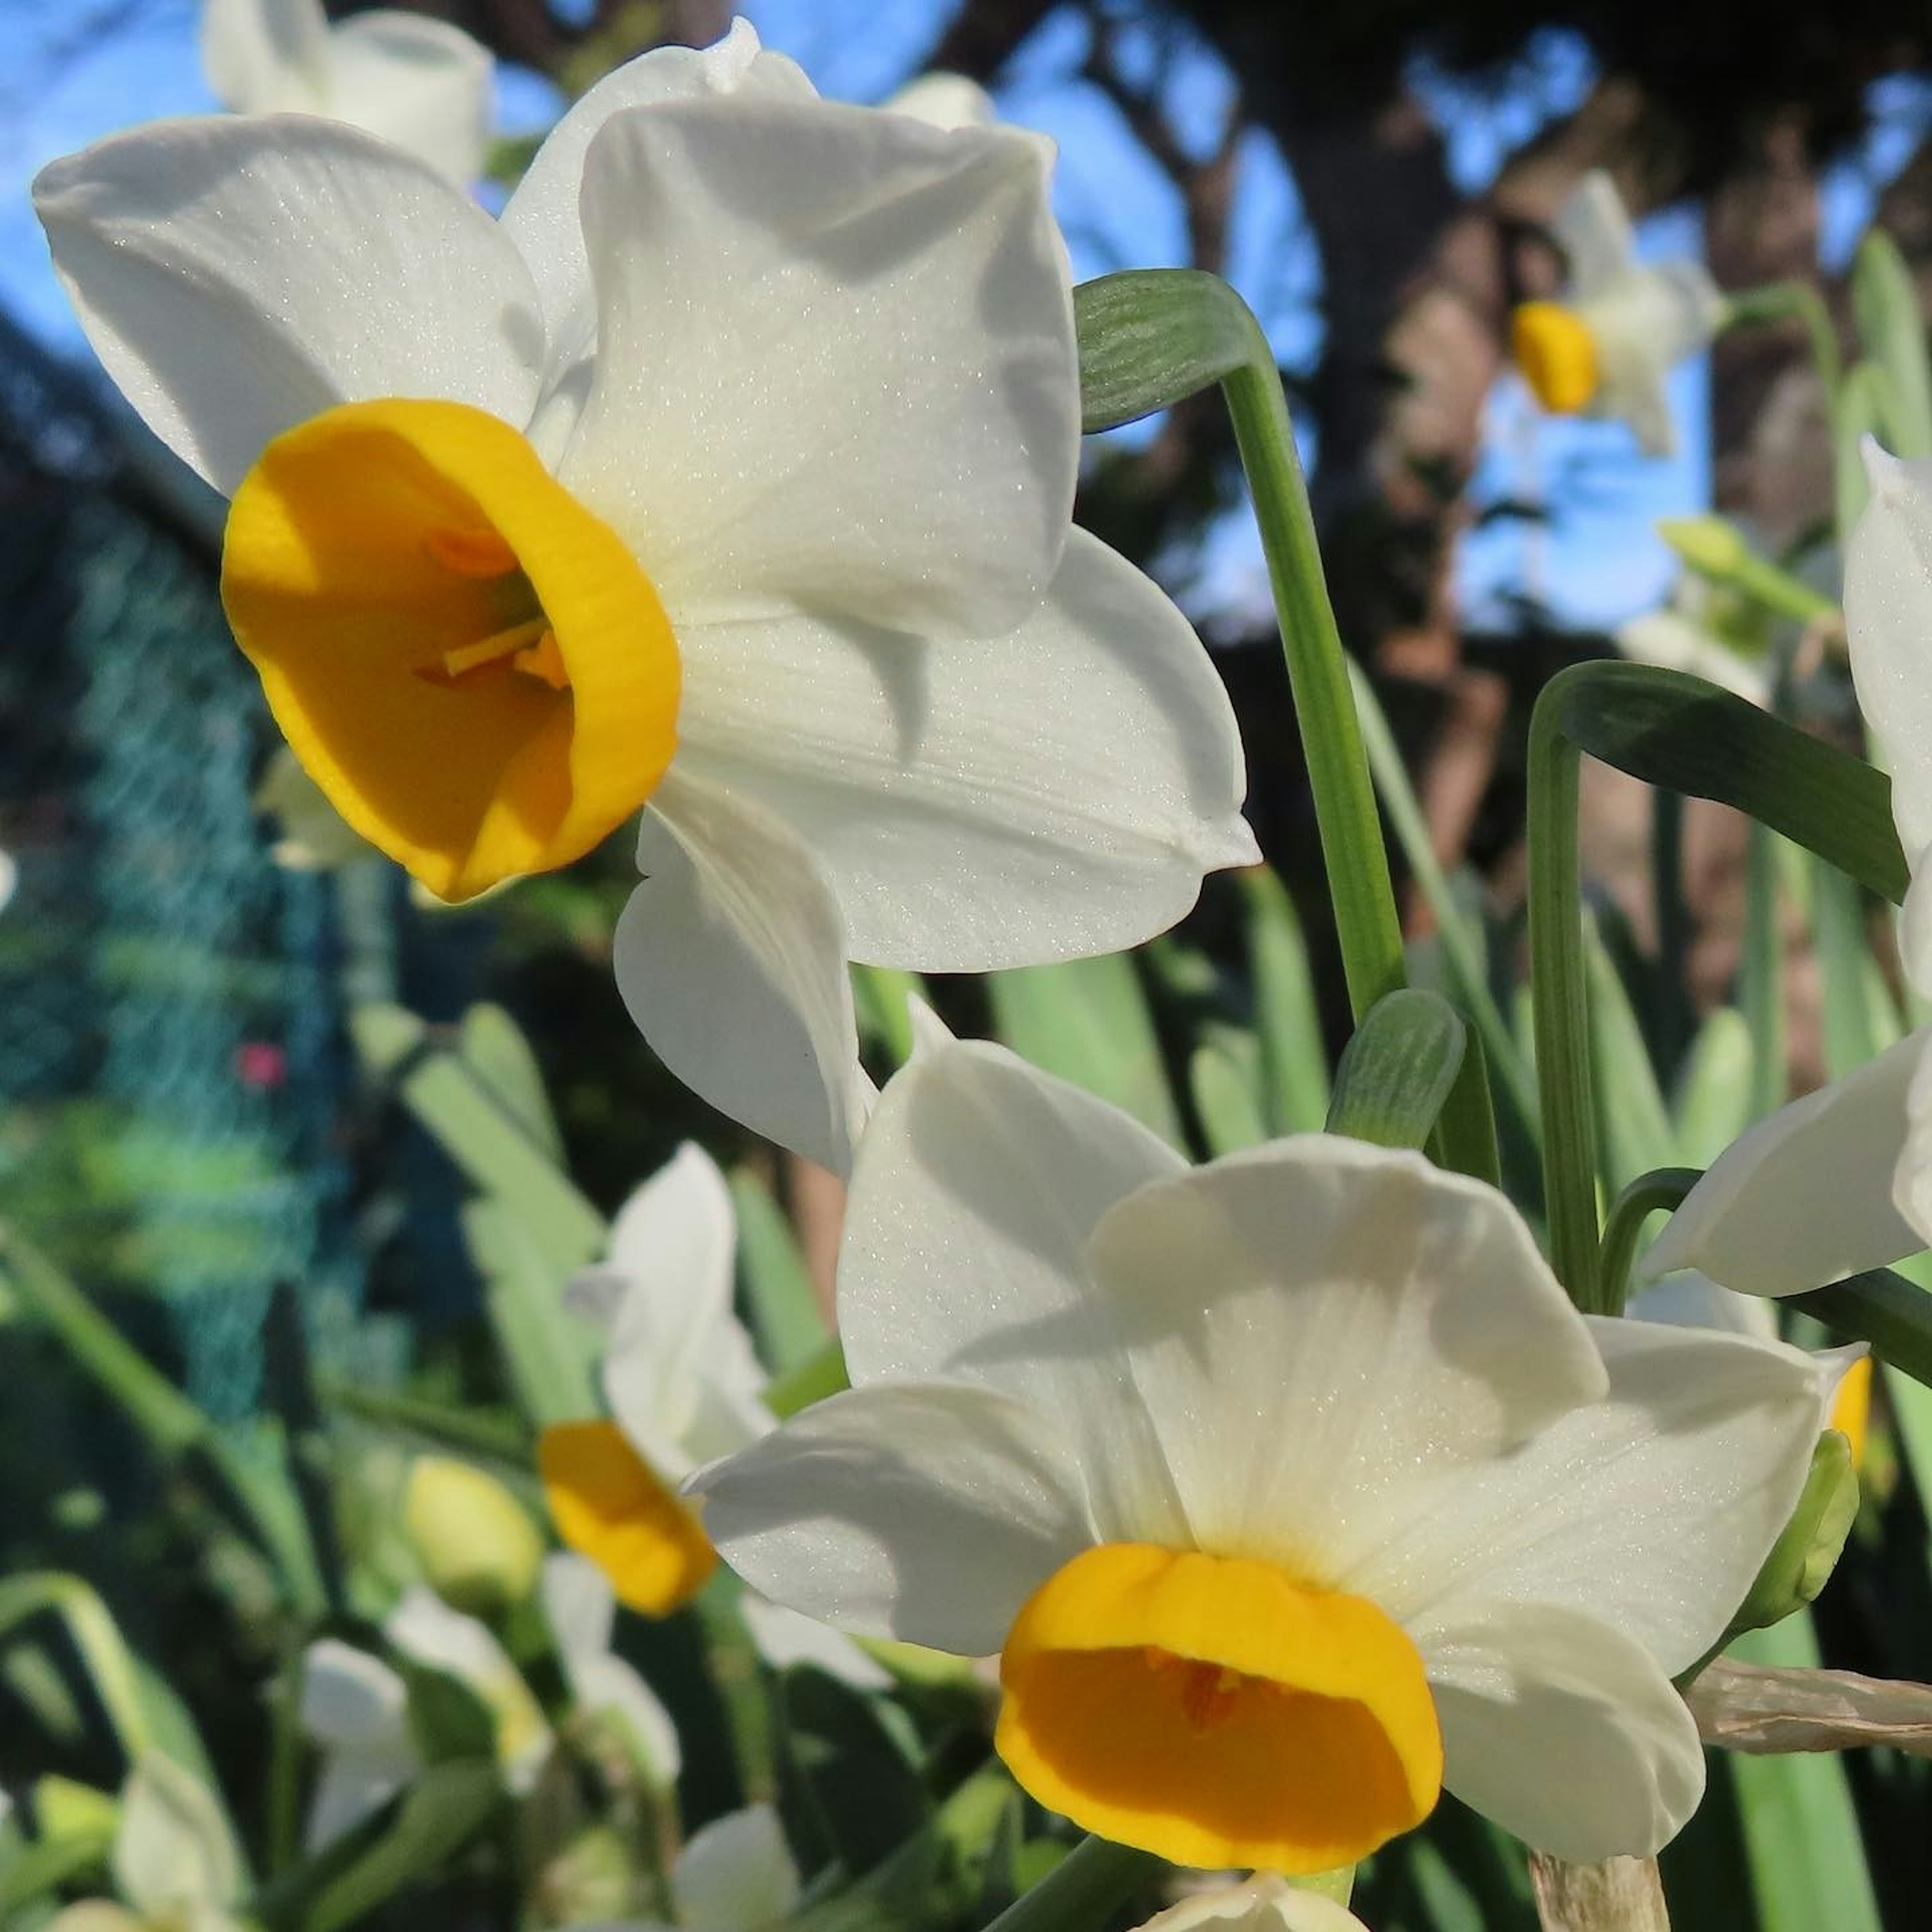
x=172, y=1072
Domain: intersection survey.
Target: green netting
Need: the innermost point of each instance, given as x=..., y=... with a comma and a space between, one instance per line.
x=171, y=1067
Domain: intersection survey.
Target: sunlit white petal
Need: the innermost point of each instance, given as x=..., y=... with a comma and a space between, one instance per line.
x=929, y=1513
x=735, y=1875
x=349, y=1700
x=786, y=1640
x=266, y=56
x=1262, y=1904
x=944, y=100
x=730, y=957
x=238, y=276
x=423, y=84
x=1050, y=794
x=866, y=401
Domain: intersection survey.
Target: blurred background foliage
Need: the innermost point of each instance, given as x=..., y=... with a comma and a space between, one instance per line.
x=325, y=1157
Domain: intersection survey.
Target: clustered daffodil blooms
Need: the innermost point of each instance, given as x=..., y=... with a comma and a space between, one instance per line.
x=423, y=84
x=684, y=1388
x=1606, y=348
x=729, y=475
x=1841, y=1181
x=1289, y=1489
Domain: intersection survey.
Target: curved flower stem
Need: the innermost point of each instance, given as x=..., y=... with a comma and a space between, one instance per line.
x=1662, y=1187
x=1785, y=301
x=1081, y=1891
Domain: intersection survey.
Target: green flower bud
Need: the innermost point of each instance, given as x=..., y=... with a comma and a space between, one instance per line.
x=478, y=1549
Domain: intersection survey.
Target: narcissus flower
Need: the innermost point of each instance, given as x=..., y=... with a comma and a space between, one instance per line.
x=422, y=83
x=1606, y=348
x=684, y=1388
x=581, y=1611
x=1289, y=1489
x=1265, y=1902
x=729, y=475
x=735, y=1875
x=1841, y=1181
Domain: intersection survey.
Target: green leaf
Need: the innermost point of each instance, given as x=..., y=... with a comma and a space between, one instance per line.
x=1713, y=1091
x=1894, y=1315
x=1224, y=1079
x=103, y=1652
x=1669, y=728
x=1151, y=337
x=1800, y=1833
x=550, y=1355
x=784, y=1310
x=1294, y=1062
x=1397, y=1070
x=1892, y=332
x=493, y=1046
x=448, y=1806
x=1637, y=1132
x=1088, y=1021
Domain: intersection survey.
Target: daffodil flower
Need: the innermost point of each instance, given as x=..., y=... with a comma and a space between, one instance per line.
x=581, y=1611
x=1841, y=1181
x=174, y=1860
x=1290, y=1489
x=684, y=1388
x=422, y=83
x=729, y=475
x=1265, y=1902
x=1606, y=348
x=735, y=1875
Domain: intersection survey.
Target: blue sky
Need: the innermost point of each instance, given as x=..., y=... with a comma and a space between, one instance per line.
x=1598, y=559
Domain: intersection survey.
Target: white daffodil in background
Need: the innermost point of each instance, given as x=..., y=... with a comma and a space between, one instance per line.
x=1265, y=1902
x=175, y=1860
x=354, y=1709
x=944, y=100
x=581, y=1610
x=729, y=475
x=1606, y=348
x=1290, y=1489
x=422, y=83
x=1841, y=1181
x=684, y=1388
x=735, y=1875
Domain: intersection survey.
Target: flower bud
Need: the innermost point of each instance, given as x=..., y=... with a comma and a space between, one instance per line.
x=478, y=1549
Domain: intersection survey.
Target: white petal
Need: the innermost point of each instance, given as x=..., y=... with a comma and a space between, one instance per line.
x=785, y=1640
x=542, y=216
x=1889, y=633
x=1678, y=642
x=1265, y=1903
x=672, y=1245
x=1652, y=1510
x=425, y=85
x=1806, y=1196
x=238, y=276
x=731, y=958
x=173, y=1847
x=1912, y=1175
x=944, y=100
x=612, y=1688
x=836, y=366
x=1383, y=1318
x=1595, y=232
x=929, y=1513
x=1563, y=1731
x=1689, y=1299
x=1049, y=795
x=735, y=1875
x=350, y=1699
x=976, y=1185
x=349, y=1789
x=265, y=56
x=579, y=1605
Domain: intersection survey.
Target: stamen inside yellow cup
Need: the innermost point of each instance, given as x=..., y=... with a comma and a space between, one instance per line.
x=1557, y=353
x=608, y=1505
x=471, y=664
x=1216, y=1712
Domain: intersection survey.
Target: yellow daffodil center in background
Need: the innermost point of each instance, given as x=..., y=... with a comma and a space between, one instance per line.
x=1216, y=1712
x=609, y=1505
x=1557, y=354
x=470, y=664
x=1851, y=1408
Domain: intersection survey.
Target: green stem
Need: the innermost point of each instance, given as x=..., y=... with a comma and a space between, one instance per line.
x=1785, y=301
x=1894, y=1315
x=1558, y=985
x=812, y=1381
x=1082, y=1891
x=1359, y=885
x=1662, y=1187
